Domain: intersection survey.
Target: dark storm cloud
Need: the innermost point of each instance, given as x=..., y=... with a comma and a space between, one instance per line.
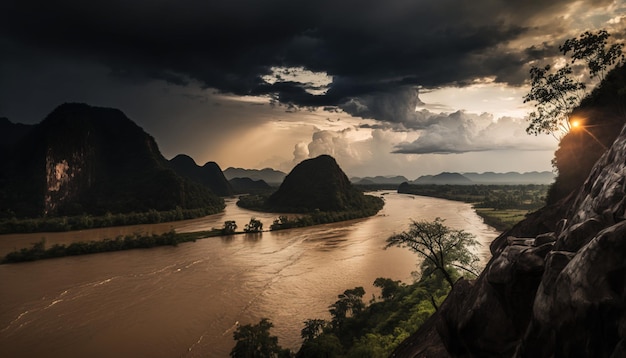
x=373, y=49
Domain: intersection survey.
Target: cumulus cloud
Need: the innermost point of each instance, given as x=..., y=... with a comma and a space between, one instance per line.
x=477, y=141
x=461, y=132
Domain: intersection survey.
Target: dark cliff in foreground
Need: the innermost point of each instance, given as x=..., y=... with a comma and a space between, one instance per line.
x=90, y=160
x=555, y=286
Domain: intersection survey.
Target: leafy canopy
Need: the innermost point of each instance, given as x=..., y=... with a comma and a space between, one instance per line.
x=556, y=92
x=444, y=250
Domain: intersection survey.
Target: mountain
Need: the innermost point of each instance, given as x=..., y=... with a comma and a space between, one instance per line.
x=443, y=179
x=317, y=184
x=394, y=180
x=210, y=174
x=511, y=178
x=11, y=133
x=268, y=175
x=248, y=186
x=84, y=159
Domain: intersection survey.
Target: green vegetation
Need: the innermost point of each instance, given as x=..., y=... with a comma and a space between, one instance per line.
x=68, y=223
x=442, y=248
x=357, y=329
x=253, y=226
x=230, y=226
x=38, y=251
x=556, y=94
x=501, y=206
x=503, y=219
x=255, y=341
x=371, y=206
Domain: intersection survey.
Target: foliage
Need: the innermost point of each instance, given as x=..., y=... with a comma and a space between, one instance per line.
x=357, y=330
x=501, y=197
x=85, y=221
x=388, y=287
x=501, y=219
x=350, y=303
x=442, y=248
x=500, y=206
x=253, y=226
x=592, y=48
x=325, y=217
x=377, y=329
x=557, y=94
x=229, y=227
x=253, y=202
x=38, y=250
x=255, y=341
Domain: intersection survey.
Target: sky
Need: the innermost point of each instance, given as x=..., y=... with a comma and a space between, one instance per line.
x=395, y=87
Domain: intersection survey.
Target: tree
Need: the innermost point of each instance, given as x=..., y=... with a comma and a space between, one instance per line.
x=253, y=226
x=350, y=303
x=555, y=95
x=594, y=50
x=255, y=341
x=444, y=250
x=313, y=328
x=388, y=287
x=229, y=227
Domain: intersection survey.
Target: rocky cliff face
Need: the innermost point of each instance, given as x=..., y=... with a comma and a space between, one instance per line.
x=555, y=286
x=84, y=159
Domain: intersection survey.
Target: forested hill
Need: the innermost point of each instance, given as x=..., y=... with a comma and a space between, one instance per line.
x=210, y=174
x=91, y=160
x=317, y=184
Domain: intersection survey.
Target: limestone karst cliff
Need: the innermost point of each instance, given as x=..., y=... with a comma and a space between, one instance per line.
x=555, y=286
x=89, y=160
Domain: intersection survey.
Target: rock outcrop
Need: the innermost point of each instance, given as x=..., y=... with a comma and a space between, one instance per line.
x=555, y=286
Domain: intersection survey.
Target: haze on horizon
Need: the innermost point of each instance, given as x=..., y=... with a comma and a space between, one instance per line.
x=387, y=88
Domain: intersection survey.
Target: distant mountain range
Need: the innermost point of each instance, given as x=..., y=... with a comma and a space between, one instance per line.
x=443, y=178
x=379, y=180
x=486, y=178
x=268, y=175
x=89, y=160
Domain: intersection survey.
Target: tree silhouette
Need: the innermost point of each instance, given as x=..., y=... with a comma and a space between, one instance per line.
x=442, y=248
x=557, y=92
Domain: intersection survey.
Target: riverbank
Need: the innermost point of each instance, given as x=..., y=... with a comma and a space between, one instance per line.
x=500, y=206
x=39, y=251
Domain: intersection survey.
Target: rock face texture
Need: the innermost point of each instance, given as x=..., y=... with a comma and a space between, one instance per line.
x=556, y=285
x=84, y=159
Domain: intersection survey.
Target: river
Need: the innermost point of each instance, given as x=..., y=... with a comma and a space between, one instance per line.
x=185, y=301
